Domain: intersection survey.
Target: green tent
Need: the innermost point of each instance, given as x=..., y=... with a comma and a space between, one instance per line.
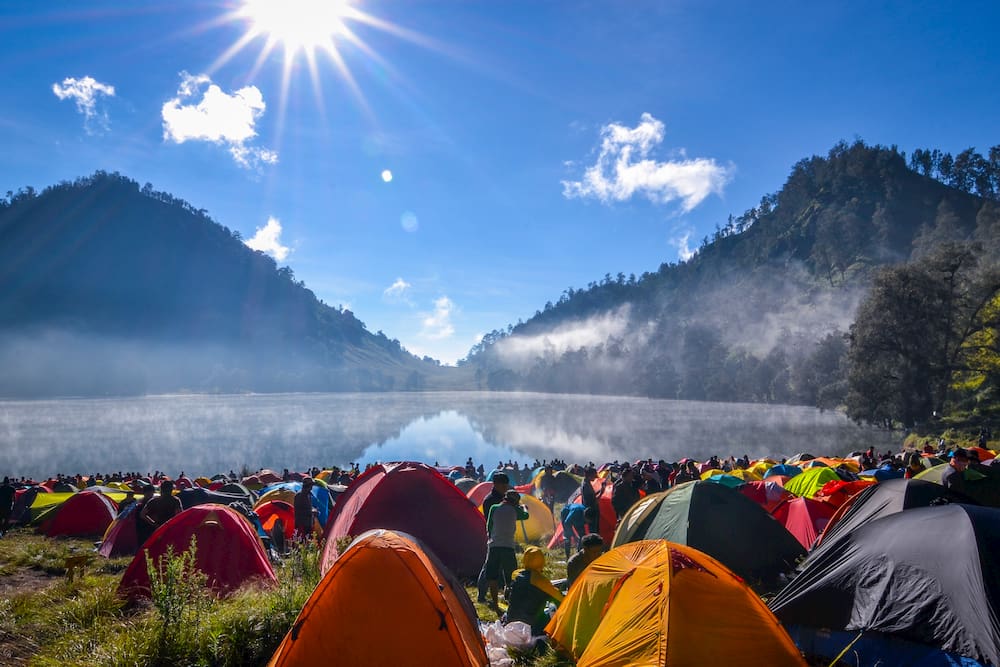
x=719, y=521
x=811, y=481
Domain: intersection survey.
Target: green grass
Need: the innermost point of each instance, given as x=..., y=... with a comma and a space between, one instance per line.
x=50, y=621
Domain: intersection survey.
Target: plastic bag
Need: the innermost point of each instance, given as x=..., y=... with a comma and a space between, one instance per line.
x=498, y=637
x=517, y=634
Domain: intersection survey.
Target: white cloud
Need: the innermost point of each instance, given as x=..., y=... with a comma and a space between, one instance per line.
x=228, y=120
x=681, y=242
x=268, y=240
x=623, y=169
x=86, y=92
x=437, y=325
x=397, y=291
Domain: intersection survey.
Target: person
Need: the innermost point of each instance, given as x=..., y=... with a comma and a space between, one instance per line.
x=591, y=548
x=573, y=517
x=277, y=536
x=7, y=493
x=304, y=511
x=126, y=502
x=914, y=467
x=953, y=476
x=501, y=526
x=158, y=510
x=530, y=590
x=547, y=485
x=588, y=497
x=625, y=492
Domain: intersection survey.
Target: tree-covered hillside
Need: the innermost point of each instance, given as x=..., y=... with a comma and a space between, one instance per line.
x=762, y=310
x=109, y=288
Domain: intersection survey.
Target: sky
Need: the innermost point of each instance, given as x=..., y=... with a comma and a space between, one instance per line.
x=444, y=168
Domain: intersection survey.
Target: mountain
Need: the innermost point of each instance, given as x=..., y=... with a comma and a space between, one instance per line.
x=107, y=288
x=759, y=312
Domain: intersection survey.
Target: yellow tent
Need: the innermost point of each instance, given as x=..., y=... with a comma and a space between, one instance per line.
x=658, y=603
x=713, y=471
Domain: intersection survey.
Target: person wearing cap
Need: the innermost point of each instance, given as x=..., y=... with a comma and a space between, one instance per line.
x=953, y=476
x=501, y=527
x=304, y=511
x=591, y=548
x=530, y=590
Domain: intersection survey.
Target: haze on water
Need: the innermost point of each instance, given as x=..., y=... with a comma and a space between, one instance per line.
x=205, y=434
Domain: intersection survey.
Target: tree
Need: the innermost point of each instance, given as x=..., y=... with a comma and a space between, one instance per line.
x=911, y=333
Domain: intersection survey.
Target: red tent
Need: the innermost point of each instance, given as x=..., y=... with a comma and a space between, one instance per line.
x=478, y=493
x=767, y=493
x=804, y=518
x=83, y=515
x=272, y=510
x=837, y=492
x=413, y=498
x=121, y=538
x=228, y=550
x=609, y=520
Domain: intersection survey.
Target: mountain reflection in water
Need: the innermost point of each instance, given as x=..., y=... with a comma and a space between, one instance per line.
x=204, y=434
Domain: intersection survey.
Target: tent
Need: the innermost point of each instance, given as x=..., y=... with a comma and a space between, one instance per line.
x=465, y=484
x=82, y=515
x=925, y=576
x=121, y=538
x=415, y=499
x=811, y=481
x=783, y=469
x=478, y=493
x=386, y=601
x=228, y=550
x=199, y=496
x=881, y=500
x=767, y=493
x=657, y=603
x=804, y=518
x=718, y=520
x=726, y=480
x=271, y=510
x=984, y=489
x=286, y=491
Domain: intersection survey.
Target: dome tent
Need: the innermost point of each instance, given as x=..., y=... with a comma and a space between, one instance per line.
x=413, y=498
x=386, y=584
x=649, y=602
x=719, y=521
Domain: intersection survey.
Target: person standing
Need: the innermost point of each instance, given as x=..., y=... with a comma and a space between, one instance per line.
x=625, y=492
x=591, y=548
x=953, y=476
x=7, y=493
x=588, y=498
x=304, y=511
x=501, y=527
x=547, y=485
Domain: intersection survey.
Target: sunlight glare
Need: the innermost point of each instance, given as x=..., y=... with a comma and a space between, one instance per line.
x=298, y=24
x=386, y=175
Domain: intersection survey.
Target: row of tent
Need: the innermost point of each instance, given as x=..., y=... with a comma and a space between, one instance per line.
x=901, y=567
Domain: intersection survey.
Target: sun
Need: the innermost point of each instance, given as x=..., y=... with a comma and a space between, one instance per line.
x=299, y=25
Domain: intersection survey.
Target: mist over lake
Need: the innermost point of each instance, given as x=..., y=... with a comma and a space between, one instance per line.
x=205, y=434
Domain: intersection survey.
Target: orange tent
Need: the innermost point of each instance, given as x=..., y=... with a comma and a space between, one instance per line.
x=659, y=603
x=385, y=601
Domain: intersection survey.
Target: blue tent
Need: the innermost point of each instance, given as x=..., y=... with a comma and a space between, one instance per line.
x=320, y=497
x=783, y=469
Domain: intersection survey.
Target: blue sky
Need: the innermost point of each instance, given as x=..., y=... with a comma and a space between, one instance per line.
x=532, y=146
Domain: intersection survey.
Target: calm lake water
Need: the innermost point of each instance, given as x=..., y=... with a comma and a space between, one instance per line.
x=207, y=434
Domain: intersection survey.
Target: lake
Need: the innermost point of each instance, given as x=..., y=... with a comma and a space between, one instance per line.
x=205, y=434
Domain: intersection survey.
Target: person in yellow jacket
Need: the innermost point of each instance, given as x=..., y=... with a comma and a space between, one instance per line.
x=530, y=590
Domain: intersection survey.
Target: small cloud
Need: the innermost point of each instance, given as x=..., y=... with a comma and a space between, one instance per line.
x=684, y=251
x=397, y=291
x=86, y=93
x=437, y=325
x=220, y=118
x=268, y=240
x=623, y=169
x=386, y=176
x=409, y=221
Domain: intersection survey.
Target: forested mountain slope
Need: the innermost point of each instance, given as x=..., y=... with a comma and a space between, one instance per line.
x=760, y=312
x=109, y=288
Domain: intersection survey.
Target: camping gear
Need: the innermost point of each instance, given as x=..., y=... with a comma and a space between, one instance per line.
x=387, y=600
x=719, y=521
x=414, y=498
x=657, y=603
x=924, y=576
x=228, y=550
x=804, y=518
